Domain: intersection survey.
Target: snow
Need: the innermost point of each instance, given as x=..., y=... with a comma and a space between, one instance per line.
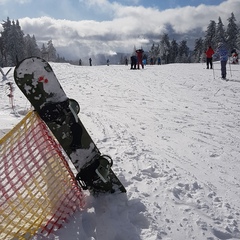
x=173, y=133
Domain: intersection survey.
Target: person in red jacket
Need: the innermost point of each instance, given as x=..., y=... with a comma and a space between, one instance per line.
x=140, y=57
x=209, y=54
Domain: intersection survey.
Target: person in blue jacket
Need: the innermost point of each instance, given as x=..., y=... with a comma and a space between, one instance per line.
x=222, y=52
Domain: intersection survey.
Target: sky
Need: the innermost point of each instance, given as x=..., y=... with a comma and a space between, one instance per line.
x=85, y=28
x=77, y=10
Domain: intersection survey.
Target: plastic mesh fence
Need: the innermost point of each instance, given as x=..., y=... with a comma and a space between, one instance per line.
x=38, y=189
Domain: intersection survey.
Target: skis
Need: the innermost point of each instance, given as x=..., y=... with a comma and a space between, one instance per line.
x=36, y=79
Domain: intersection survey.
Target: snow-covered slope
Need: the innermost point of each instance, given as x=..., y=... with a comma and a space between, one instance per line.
x=173, y=133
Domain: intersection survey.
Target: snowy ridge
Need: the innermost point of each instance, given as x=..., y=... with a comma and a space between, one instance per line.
x=173, y=133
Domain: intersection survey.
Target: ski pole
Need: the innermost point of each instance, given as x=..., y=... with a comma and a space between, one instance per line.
x=213, y=71
x=230, y=67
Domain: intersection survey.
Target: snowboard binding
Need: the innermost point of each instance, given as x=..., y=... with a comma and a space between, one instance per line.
x=95, y=176
x=54, y=112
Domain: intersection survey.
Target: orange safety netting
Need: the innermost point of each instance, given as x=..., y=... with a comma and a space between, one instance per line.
x=38, y=189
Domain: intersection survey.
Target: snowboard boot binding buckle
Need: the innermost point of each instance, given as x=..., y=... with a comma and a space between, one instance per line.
x=95, y=176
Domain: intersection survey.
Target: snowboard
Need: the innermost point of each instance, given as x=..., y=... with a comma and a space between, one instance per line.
x=36, y=79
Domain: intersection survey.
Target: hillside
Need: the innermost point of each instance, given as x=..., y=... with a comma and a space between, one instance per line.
x=173, y=133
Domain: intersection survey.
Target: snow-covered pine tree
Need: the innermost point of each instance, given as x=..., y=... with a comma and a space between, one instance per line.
x=183, y=52
x=52, y=53
x=20, y=42
x=15, y=43
x=199, y=49
x=165, y=48
x=4, y=39
x=238, y=39
x=173, y=51
x=154, y=53
x=13, y=46
x=220, y=33
x=31, y=47
x=210, y=37
x=44, y=52
x=232, y=32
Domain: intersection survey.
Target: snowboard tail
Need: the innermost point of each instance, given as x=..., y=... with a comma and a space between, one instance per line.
x=36, y=79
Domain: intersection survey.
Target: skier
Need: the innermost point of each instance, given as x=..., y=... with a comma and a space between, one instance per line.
x=90, y=61
x=144, y=61
x=209, y=54
x=133, y=62
x=139, y=57
x=234, y=56
x=151, y=61
x=223, y=54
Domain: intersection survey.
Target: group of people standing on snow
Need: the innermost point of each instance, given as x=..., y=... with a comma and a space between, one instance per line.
x=137, y=59
x=222, y=53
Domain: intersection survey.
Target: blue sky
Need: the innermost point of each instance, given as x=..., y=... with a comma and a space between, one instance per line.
x=80, y=10
x=89, y=27
x=165, y=4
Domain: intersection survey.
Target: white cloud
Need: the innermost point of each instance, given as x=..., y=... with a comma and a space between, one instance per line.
x=111, y=53
x=123, y=31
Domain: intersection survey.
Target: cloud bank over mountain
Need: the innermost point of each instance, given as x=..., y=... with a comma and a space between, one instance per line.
x=128, y=26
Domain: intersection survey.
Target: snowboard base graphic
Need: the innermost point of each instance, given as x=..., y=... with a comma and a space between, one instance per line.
x=36, y=79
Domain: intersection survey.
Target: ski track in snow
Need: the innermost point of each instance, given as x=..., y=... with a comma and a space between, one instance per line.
x=173, y=133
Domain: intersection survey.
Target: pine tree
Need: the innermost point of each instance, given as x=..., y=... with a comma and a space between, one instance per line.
x=220, y=33
x=173, y=51
x=60, y=59
x=20, y=49
x=14, y=44
x=183, y=52
x=52, y=53
x=31, y=48
x=154, y=53
x=238, y=39
x=5, y=33
x=165, y=48
x=1, y=52
x=210, y=37
x=198, y=52
x=44, y=52
x=232, y=33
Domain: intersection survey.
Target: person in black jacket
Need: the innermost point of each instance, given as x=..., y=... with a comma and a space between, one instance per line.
x=133, y=62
